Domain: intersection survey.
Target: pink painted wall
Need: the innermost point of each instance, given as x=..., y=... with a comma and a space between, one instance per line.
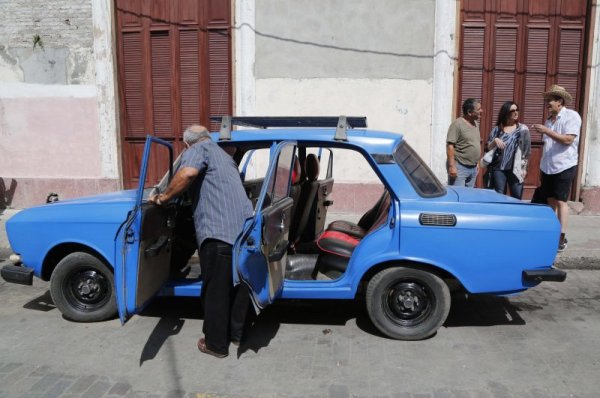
x=49, y=144
x=49, y=138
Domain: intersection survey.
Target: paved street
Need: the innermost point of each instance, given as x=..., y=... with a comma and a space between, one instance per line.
x=544, y=343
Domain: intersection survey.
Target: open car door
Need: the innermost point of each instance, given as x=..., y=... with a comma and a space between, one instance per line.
x=260, y=252
x=144, y=241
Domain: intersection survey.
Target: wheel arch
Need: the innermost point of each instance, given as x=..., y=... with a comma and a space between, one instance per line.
x=62, y=250
x=452, y=281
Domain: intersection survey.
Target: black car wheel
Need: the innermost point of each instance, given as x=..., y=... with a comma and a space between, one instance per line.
x=406, y=303
x=82, y=287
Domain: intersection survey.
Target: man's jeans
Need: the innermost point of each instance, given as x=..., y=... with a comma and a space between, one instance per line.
x=465, y=176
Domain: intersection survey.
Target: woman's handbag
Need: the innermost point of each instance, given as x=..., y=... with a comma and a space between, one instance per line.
x=487, y=158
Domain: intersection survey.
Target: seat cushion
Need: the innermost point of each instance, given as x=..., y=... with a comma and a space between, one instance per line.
x=348, y=228
x=337, y=243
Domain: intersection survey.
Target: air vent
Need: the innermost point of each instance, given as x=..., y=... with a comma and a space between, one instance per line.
x=438, y=220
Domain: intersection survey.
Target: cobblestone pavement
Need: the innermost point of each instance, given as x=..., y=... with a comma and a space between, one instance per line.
x=544, y=343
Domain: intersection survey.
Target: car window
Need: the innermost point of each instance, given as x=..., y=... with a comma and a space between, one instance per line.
x=325, y=156
x=254, y=164
x=280, y=184
x=418, y=173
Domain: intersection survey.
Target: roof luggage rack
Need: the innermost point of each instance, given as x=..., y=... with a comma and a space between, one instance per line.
x=341, y=123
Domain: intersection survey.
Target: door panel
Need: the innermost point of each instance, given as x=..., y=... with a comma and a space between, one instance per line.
x=260, y=253
x=144, y=241
x=154, y=252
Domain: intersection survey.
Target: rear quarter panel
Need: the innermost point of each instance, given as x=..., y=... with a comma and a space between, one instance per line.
x=490, y=246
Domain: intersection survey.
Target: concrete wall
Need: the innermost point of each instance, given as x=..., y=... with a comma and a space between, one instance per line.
x=56, y=132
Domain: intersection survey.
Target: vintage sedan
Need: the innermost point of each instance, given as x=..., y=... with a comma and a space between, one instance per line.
x=113, y=253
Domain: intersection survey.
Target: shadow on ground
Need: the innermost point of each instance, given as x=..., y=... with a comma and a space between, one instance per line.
x=466, y=311
x=42, y=303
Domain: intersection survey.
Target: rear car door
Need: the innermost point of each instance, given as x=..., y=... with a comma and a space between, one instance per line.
x=144, y=241
x=260, y=252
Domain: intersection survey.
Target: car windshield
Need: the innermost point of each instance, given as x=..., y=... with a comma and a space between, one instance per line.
x=418, y=173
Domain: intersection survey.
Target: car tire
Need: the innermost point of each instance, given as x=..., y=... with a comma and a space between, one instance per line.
x=82, y=288
x=407, y=303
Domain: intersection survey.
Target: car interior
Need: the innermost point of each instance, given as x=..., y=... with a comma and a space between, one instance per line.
x=320, y=246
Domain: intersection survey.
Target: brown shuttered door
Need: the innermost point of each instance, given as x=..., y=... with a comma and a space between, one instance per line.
x=174, y=60
x=513, y=50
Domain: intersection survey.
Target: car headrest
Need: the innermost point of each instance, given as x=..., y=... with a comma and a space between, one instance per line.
x=311, y=167
x=296, y=172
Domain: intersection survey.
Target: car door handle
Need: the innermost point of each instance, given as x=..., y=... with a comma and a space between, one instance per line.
x=279, y=251
x=156, y=247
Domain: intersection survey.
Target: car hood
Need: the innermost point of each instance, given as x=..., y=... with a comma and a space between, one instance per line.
x=124, y=197
x=476, y=195
x=104, y=208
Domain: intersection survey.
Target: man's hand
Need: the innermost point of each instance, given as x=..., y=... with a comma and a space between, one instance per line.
x=156, y=199
x=565, y=139
x=540, y=128
x=452, y=172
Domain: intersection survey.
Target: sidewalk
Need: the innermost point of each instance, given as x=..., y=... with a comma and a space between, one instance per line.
x=583, y=251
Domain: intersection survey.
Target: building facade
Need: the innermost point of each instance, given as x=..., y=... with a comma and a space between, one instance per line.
x=82, y=83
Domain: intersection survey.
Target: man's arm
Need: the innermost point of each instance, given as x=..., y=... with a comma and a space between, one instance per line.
x=451, y=161
x=565, y=139
x=180, y=182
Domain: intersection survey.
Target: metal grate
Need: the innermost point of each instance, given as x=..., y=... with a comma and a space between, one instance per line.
x=438, y=220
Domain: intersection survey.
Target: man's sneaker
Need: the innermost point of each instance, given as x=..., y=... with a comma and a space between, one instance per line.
x=562, y=244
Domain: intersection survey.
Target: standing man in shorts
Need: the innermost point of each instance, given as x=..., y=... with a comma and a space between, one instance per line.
x=560, y=155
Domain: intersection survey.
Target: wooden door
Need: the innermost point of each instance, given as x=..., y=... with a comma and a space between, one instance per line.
x=174, y=65
x=514, y=50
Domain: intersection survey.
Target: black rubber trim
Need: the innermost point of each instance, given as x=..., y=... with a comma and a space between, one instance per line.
x=545, y=275
x=16, y=273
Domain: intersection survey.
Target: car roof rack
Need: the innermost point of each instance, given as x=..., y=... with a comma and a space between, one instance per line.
x=341, y=123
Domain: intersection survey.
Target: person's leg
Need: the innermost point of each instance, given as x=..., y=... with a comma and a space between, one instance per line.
x=215, y=262
x=499, y=179
x=239, y=312
x=516, y=187
x=562, y=210
x=471, y=177
x=462, y=174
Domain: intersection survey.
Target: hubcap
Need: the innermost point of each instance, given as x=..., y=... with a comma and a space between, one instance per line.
x=87, y=289
x=408, y=303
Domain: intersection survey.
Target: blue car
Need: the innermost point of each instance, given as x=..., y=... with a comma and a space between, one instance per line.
x=113, y=253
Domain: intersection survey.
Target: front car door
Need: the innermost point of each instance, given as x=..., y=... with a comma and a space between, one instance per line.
x=260, y=252
x=144, y=241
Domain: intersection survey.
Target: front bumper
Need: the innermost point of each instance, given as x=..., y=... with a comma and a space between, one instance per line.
x=544, y=275
x=16, y=273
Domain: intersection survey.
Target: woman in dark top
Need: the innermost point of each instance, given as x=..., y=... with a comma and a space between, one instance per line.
x=513, y=146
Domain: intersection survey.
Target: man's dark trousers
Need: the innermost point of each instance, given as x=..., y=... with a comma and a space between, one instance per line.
x=225, y=307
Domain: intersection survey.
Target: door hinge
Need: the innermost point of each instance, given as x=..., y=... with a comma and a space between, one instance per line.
x=130, y=236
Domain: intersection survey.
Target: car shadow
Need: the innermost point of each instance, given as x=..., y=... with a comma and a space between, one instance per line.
x=41, y=303
x=465, y=311
x=482, y=311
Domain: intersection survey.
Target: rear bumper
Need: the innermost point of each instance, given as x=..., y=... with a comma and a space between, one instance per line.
x=16, y=273
x=544, y=275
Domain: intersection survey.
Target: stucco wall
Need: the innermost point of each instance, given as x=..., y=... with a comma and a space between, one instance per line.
x=343, y=57
x=590, y=192
x=55, y=78
x=302, y=39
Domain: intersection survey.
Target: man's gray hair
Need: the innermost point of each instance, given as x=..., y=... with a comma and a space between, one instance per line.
x=195, y=133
